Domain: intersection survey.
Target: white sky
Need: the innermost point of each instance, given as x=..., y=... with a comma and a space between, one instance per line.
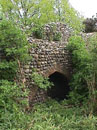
x=87, y=8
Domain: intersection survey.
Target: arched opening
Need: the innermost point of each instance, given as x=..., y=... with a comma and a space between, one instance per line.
x=60, y=89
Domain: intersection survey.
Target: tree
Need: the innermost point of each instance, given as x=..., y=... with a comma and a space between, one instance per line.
x=29, y=12
x=66, y=13
x=18, y=10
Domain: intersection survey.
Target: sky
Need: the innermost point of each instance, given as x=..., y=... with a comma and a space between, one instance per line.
x=87, y=8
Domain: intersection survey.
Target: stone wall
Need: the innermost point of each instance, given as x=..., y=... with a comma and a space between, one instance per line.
x=50, y=31
x=47, y=58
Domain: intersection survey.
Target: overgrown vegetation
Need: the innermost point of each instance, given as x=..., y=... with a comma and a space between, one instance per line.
x=14, y=50
x=84, y=79
x=60, y=116
x=57, y=36
x=12, y=105
x=19, y=18
x=26, y=13
x=40, y=81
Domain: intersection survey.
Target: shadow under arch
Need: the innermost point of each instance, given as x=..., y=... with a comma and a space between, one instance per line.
x=60, y=89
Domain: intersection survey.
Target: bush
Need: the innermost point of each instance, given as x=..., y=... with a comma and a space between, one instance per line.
x=14, y=47
x=41, y=81
x=11, y=106
x=14, y=50
x=81, y=68
x=84, y=81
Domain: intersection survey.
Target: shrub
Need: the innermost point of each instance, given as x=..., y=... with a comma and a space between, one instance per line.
x=81, y=68
x=41, y=81
x=14, y=50
x=14, y=47
x=84, y=79
x=11, y=107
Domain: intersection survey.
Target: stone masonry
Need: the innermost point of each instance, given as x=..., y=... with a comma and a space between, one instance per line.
x=47, y=58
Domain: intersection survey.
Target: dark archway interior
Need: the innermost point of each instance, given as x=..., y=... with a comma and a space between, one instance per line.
x=60, y=89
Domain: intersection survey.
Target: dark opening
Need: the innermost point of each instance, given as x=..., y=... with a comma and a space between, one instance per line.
x=60, y=89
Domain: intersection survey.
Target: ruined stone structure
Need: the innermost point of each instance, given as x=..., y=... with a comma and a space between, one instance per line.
x=48, y=57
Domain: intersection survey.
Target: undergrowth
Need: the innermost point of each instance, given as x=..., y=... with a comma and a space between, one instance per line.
x=60, y=116
x=75, y=114
x=83, y=83
x=51, y=115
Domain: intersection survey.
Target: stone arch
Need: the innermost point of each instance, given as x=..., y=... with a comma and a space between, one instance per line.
x=57, y=68
x=60, y=88
x=48, y=57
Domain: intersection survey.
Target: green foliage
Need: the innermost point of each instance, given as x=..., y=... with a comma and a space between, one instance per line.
x=11, y=114
x=92, y=78
x=12, y=41
x=83, y=83
x=49, y=115
x=57, y=36
x=9, y=92
x=18, y=10
x=69, y=15
x=81, y=67
x=14, y=47
x=54, y=116
x=38, y=32
x=18, y=120
x=14, y=50
x=41, y=81
x=26, y=12
x=46, y=12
